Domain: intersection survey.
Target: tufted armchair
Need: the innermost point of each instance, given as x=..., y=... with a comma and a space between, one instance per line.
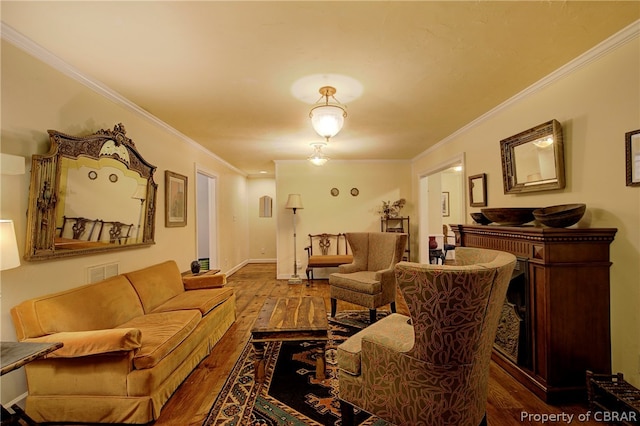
x=433, y=368
x=369, y=280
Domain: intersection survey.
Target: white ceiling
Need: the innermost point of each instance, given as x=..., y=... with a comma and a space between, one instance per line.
x=223, y=73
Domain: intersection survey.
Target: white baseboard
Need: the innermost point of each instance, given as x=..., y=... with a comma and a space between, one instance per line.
x=236, y=268
x=262, y=261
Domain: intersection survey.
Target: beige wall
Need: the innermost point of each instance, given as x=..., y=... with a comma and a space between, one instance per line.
x=262, y=229
x=596, y=105
x=377, y=181
x=35, y=98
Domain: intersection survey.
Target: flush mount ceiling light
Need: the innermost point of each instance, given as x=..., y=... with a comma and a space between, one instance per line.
x=327, y=116
x=318, y=158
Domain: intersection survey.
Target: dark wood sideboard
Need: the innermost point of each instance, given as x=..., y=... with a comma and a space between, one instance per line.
x=567, y=292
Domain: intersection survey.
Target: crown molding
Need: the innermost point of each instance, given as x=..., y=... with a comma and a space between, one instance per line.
x=29, y=46
x=617, y=40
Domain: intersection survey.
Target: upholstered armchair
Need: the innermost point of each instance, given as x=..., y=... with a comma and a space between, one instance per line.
x=369, y=280
x=433, y=368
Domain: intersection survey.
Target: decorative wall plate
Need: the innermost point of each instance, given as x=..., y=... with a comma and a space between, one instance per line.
x=355, y=192
x=335, y=192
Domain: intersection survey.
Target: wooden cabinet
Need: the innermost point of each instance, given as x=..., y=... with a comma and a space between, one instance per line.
x=398, y=224
x=567, y=297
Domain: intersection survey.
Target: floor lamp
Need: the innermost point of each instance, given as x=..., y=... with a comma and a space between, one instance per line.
x=294, y=202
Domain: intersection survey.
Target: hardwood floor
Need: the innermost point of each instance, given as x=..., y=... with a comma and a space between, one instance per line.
x=190, y=404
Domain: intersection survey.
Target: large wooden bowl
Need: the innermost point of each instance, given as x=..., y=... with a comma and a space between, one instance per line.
x=478, y=217
x=510, y=216
x=560, y=216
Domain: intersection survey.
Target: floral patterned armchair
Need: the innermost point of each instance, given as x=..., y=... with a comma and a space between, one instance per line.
x=433, y=368
x=369, y=280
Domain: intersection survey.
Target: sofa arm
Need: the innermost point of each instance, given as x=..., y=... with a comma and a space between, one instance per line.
x=93, y=342
x=205, y=280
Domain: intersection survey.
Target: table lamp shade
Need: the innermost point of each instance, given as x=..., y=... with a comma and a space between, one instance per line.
x=9, y=256
x=294, y=202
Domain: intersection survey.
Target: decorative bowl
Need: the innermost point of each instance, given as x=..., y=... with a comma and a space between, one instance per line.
x=510, y=216
x=478, y=217
x=560, y=216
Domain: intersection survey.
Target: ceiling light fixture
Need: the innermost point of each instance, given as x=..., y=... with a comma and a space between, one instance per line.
x=318, y=158
x=327, y=118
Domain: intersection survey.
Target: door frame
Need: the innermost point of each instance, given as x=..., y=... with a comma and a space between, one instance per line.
x=423, y=212
x=211, y=206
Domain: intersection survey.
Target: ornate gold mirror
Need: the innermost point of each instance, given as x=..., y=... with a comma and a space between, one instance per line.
x=534, y=159
x=89, y=194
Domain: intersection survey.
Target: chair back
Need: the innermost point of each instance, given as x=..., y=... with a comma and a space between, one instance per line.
x=376, y=251
x=455, y=308
x=325, y=244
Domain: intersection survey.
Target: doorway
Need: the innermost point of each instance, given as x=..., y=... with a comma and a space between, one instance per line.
x=442, y=201
x=206, y=219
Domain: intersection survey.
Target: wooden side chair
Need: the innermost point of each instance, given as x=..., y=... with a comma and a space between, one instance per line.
x=328, y=252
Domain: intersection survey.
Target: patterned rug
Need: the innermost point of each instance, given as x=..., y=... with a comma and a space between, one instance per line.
x=290, y=395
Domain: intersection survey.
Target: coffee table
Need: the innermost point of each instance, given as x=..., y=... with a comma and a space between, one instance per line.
x=290, y=319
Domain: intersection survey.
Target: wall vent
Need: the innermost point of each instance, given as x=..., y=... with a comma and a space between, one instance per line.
x=102, y=272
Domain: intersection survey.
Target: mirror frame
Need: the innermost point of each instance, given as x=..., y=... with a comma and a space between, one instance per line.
x=629, y=157
x=45, y=185
x=507, y=151
x=479, y=179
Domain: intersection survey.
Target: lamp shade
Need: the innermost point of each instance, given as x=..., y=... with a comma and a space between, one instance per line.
x=294, y=202
x=141, y=193
x=9, y=257
x=327, y=120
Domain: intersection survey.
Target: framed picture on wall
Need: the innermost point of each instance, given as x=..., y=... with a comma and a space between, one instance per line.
x=445, y=204
x=175, y=200
x=632, y=154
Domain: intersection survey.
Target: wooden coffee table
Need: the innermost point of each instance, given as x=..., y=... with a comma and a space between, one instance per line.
x=290, y=319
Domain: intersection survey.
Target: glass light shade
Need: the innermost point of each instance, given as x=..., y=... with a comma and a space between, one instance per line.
x=318, y=158
x=9, y=256
x=327, y=120
x=318, y=161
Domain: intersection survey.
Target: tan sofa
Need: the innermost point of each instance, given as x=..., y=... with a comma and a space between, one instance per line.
x=129, y=342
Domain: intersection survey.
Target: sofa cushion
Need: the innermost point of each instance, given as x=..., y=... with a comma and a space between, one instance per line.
x=393, y=331
x=162, y=332
x=156, y=284
x=98, y=306
x=362, y=282
x=202, y=300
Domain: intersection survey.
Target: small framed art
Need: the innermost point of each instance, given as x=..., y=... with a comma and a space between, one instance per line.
x=175, y=200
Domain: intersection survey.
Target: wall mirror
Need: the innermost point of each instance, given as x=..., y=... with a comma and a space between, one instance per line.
x=89, y=194
x=632, y=154
x=265, y=206
x=478, y=190
x=534, y=159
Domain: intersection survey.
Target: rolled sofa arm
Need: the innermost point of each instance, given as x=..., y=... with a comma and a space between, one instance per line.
x=93, y=342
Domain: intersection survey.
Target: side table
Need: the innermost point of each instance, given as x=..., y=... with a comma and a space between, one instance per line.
x=14, y=355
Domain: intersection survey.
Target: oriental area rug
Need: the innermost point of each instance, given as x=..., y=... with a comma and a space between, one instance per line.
x=290, y=395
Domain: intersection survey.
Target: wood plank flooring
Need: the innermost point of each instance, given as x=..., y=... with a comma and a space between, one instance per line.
x=190, y=404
